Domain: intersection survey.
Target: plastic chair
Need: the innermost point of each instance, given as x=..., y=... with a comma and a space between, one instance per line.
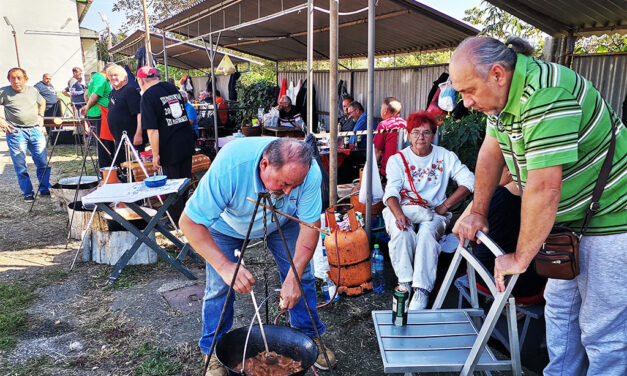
x=451, y=340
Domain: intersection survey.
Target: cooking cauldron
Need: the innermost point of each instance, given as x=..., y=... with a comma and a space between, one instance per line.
x=281, y=339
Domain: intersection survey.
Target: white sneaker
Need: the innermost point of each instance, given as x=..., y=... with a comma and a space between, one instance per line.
x=419, y=300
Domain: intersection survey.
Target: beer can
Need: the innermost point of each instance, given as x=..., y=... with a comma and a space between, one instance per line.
x=400, y=306
x=346, y=142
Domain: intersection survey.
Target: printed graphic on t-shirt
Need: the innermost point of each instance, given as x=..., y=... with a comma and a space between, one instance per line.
x=173, y=109
x=428, y=173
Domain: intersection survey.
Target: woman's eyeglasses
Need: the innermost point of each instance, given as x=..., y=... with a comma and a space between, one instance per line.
x=424, y=134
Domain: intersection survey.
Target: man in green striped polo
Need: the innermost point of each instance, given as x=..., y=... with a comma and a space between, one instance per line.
x=559, y=128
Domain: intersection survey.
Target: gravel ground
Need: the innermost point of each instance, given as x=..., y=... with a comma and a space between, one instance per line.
x=80, y=326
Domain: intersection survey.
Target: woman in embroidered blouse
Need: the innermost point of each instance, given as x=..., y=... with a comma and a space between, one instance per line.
x=416, y=194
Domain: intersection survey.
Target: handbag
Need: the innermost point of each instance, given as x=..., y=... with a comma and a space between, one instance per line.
x=558, y=258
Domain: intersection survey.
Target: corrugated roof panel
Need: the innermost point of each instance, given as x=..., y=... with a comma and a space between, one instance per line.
x=274, y=38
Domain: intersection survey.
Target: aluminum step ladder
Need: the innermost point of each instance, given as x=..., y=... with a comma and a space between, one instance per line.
x=451, y=340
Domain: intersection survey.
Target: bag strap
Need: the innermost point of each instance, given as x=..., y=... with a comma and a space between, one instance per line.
x=420, y=201
x=598, y=187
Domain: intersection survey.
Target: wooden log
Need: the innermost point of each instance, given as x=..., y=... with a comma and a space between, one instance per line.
x=81, y=220
x=106, y=247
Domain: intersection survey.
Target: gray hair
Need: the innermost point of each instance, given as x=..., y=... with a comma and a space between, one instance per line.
x=116, y=69
x=485, y=52
x=283, y=150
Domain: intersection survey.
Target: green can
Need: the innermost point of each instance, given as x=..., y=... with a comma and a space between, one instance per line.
x=400, y=305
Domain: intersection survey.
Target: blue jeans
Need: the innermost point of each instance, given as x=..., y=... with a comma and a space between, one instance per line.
x=34, y=140
x=586, y=318
x=216, y=289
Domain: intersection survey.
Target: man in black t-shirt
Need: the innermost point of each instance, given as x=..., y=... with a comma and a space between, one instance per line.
x=170, y=134
x=124, y=111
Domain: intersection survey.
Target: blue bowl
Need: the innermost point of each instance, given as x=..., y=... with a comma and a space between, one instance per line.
x=155, y=181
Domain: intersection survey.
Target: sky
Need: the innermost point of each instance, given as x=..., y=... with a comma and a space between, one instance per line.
x=453, y=8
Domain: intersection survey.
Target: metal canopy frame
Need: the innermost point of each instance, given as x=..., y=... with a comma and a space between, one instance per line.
x=249, y=27
x=583, y=17
x=184, y=55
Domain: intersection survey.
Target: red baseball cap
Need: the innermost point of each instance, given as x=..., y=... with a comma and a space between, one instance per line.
x=148, y=72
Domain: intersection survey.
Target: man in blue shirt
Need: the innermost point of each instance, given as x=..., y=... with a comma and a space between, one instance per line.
x=45, y=88
x=192, y=114
x=360, y=117
x=217, y=217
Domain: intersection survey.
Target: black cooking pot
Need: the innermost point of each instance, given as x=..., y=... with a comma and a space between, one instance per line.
x=85, y=182
x=281, y=339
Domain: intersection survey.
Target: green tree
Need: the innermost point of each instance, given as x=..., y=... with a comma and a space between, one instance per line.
x=601, y=44
x=497, y=23
x=157, y=11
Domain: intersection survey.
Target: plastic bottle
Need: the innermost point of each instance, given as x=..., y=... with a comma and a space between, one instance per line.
x=260, y=112
x=328, y=290
x=378, y=279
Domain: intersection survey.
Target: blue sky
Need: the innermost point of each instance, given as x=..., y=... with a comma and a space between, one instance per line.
x=453, y=8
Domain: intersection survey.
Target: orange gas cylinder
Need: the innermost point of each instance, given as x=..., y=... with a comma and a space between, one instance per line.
x=352, y=274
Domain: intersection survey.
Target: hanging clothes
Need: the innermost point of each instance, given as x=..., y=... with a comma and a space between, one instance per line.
x=131, y=77
x=140, y=55
x=342, y=92
x=187, y=84
x=290, y=92
x=233, y=85
x=301, y=103
x=283, y=90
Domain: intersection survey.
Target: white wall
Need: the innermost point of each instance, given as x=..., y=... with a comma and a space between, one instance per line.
x=36, y=22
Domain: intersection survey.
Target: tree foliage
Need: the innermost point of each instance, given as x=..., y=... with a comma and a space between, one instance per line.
x=157, y=11
x=497, y=23
x=601, y=44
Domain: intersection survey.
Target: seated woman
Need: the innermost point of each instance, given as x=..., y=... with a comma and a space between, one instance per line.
x=504, y=226
x=416, y=193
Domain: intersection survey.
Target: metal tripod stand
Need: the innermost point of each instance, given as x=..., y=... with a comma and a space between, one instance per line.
x=265, y=198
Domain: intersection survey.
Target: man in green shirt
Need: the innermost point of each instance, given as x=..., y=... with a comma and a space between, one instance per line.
x=96, y=111
x=559, y=127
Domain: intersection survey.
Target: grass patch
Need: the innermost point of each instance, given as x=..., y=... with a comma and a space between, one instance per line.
x=55, y=275
x=33, y=366
x=132, y=275
x=156, y=361
x=15, y=298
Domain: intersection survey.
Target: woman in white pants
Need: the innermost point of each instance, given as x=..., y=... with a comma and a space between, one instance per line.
x=416, y=194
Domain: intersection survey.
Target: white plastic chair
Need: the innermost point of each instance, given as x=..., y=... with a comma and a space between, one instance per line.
x=451, y=340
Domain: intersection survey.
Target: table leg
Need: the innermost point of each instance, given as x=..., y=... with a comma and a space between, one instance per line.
x=142, y=238
x=184, y=248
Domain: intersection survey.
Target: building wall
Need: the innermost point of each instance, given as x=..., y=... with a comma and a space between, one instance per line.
x=90, y=53
x=43, y=46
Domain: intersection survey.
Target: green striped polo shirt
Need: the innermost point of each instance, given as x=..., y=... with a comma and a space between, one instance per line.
x=554, y=116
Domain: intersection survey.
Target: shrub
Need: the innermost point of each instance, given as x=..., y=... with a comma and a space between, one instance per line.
x=464, y=136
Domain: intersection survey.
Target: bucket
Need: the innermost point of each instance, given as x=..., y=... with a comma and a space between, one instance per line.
x=109, y=175
x=281, y=339
x=353, y=252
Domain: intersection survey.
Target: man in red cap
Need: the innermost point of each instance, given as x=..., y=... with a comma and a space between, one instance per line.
x=170, y=134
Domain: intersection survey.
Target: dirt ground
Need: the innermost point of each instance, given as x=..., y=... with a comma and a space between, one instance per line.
x=78, y=325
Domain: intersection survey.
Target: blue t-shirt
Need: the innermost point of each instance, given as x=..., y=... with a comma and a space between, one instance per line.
x=360, y=125
x=48, y=92
x=220, y=201
x=192, y=115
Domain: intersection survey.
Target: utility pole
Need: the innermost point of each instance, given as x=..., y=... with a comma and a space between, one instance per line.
x=17, y=51
x=147, y=36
